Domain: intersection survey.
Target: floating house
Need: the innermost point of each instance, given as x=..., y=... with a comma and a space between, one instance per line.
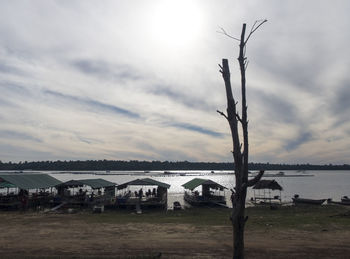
x=86, y=192
x=145, y=193
x=199, y=192
x=267, y=192
x=25, y=190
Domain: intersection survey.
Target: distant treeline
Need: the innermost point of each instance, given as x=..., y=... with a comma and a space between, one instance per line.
x=134, y=165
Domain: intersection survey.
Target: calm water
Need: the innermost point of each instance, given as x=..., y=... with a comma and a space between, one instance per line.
x=324, y=184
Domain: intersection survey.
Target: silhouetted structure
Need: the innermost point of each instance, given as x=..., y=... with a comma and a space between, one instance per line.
x=240, y=156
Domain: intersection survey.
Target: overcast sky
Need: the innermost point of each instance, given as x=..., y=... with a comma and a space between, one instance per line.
x=139, y=80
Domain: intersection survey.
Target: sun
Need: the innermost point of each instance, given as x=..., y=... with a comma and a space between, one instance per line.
x=176, y=23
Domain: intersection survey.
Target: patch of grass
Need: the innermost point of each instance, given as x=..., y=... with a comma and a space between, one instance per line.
x=292, y=217
x=298, y=217
x=193, y=216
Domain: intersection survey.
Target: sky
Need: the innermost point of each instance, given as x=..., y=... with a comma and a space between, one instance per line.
x=139, y=80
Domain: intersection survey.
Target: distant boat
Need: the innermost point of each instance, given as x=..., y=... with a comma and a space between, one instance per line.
x=279, y=174
x=345, y=199
x=177, y=205
x=298, y=200
x=342, y=202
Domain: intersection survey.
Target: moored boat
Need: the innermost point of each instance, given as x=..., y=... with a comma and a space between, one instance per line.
x=177, y=205
x=209, y=195
x=346, y=203
x=132, y=194
x=298, y=200
x=345, y=199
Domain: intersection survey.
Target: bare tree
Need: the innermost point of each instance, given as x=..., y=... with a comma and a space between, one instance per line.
x=240, y=156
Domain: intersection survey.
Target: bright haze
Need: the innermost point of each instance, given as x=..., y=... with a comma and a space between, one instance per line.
x=139, y=80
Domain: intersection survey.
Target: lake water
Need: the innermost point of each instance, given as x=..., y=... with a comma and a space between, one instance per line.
x=322, y=185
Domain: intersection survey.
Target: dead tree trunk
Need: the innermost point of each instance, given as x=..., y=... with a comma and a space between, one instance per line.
x=240, y=156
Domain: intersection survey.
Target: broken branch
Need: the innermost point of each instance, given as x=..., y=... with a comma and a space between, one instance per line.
x=226, y=34
x=223, y=114
x=254, y=29
x=256, y=179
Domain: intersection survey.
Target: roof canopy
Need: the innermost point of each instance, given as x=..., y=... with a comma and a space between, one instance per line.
x=194, y=183
x=268, y=184
x=7, y=185
x=143, y=182
x=28, y=181
x=93, y=183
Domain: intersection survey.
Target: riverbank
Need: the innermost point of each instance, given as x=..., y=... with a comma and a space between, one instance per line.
x=288, y=232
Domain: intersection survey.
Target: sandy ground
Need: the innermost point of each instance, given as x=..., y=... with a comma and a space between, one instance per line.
x=68, y=236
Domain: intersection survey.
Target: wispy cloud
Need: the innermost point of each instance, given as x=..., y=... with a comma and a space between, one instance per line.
x=89, y=141
x=93, y=104
x=182, y=97
x=9, y=134
x=273, y=106
x=195, y=128
x=104, y=70
x=13, y=87
x=340, y=105
x=302, y=138
x=9, y=69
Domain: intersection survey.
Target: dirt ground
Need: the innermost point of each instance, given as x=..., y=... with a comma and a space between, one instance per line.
x=34, y=235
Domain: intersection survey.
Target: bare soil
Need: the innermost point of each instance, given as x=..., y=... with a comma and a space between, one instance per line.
x=34, y=235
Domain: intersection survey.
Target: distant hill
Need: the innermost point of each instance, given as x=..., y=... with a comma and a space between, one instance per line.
x=134, y=165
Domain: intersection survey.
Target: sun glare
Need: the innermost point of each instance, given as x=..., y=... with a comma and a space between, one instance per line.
x=176, y=23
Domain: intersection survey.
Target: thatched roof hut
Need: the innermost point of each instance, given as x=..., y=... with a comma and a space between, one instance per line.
x=263, y=192
x=268, y=184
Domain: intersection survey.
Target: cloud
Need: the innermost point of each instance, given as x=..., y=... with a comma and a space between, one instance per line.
x=277, y=107
x=89, y=141
x=104, y=70
x=19, y=153
x=341, y=103
x=9, y=69
x=9, y=134
x=93, y=105
x=182, y=97
x=13, y=87
x=301, y=139
x=192, y=127
x=106, y=59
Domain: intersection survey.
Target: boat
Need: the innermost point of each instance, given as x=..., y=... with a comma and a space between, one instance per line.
x=209, y=195
x=345, y=199
x=155, y=197
x=298, y=200
x=177, y=205
x=279, y=174
x=342, y=202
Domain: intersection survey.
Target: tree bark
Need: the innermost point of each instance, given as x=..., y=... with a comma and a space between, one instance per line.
x=240, y=157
